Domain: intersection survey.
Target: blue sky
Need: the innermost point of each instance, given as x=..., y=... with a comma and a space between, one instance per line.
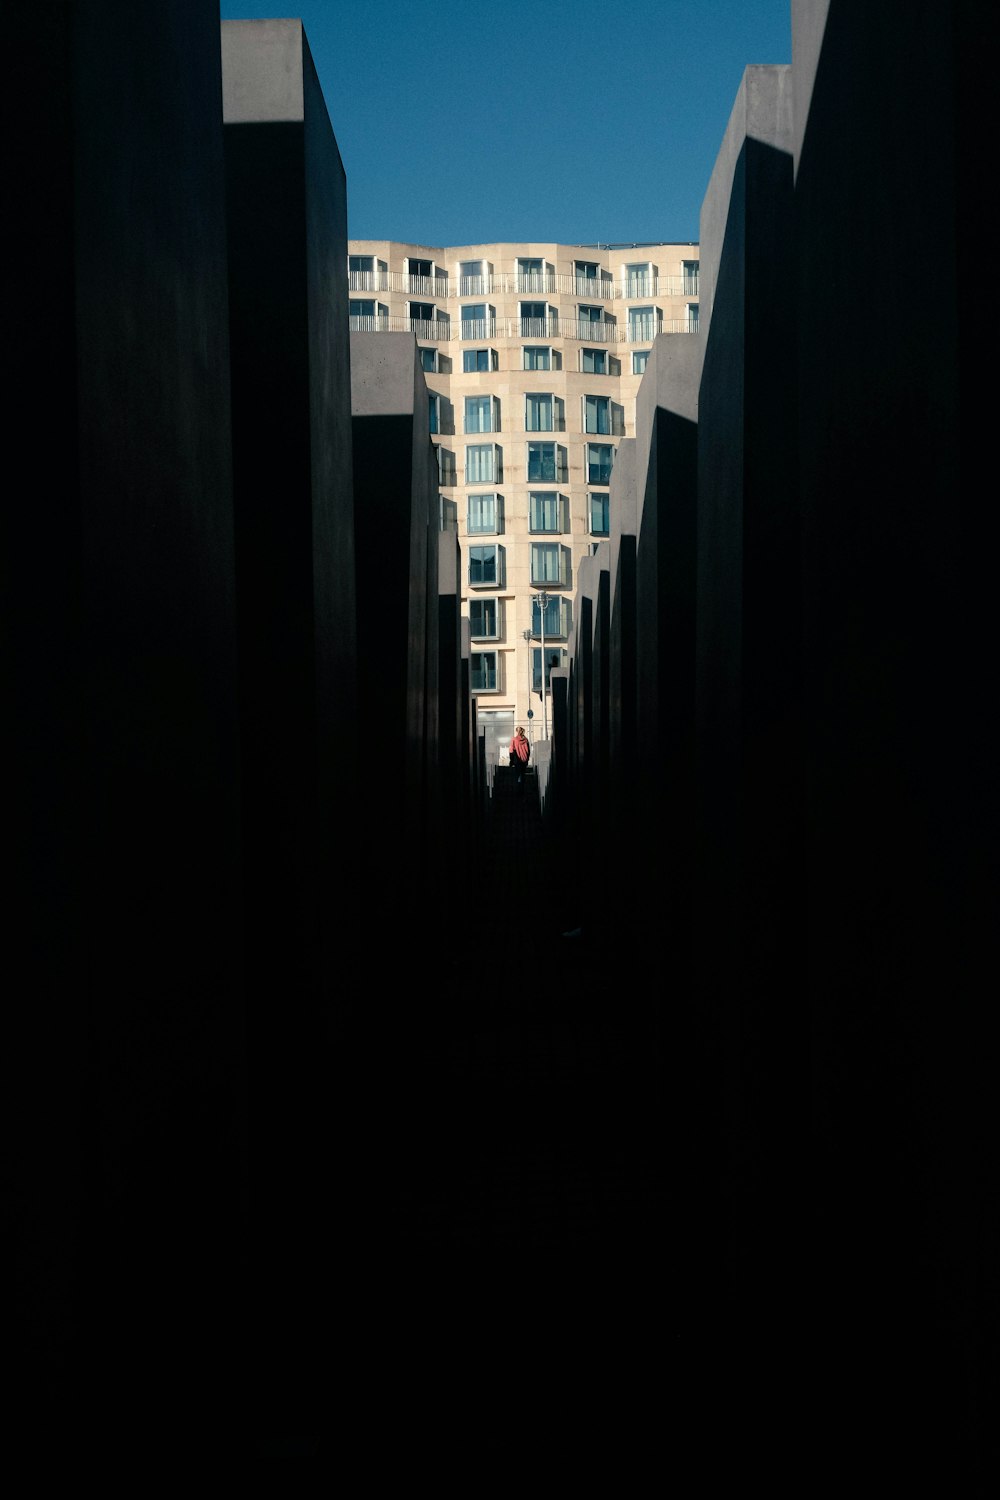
x=576, y=123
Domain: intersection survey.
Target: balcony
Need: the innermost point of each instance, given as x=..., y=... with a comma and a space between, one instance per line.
x=483, y=330
x=423, y=328
x=532, y=328
x=368, y=281
x=477, y=330
x=588, y=289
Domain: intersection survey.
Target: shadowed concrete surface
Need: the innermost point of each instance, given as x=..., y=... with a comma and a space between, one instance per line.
x=527, y=1259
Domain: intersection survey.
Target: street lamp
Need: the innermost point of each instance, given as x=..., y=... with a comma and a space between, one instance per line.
x=526, y=638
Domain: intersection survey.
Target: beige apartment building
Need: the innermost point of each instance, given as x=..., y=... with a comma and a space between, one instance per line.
x=533, y=354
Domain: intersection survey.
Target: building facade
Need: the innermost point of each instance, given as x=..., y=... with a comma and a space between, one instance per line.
x=533, y=354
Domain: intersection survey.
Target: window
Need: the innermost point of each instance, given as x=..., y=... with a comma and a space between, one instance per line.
x=483, y=463
x=546, y=463
x=366, y=274
x=482, y=414
x=421, y=275
x=640, y=359
x=692, y=317
x=537, y=357
x=478, y=321
x=599, y=515
x=555, y=658
x=486, y=565
x=531, y=275
x=429, y=361
x=547, y=511
x=587, y=273
x=473, y=277
x=474, y=360
x=643, y=323
x=483, y=671
x=690, y=270
x=421, y=315
x=537, y=319
x=366, y=314
x=594, y=361
x=597, y=414
x=446, y=466
x=592, y=324
x=599, y=460
x=548, y=564
x=485, y=514
x=483, y=618
x=640, y=280
x=434, y=409
x=544, y=412
x=556, y=616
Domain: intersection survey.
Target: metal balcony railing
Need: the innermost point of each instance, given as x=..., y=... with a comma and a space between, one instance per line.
x=422, y=327
x=588, y=289
x=483, y=330
x=368, y=281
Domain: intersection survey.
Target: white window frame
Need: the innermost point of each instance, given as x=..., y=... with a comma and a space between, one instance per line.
x=556, y=657
x=483, y=656
x=366, y=322
x=492, y=361
x=646, y=278
x=539, y=500
x=597, y=483
x=557, y=411
x=496, y=528
x=557, y=605
x=650, y=327
x=601, y=404
x=484, y=276
x=484, y=605
x=492, y=403
x=542, y=348
x=549, y=321
x=484, y=328
x=497, y=475
x=499, y=566
x=603, y=499
x=603, y=353
x=561, y=466
x=561, y=554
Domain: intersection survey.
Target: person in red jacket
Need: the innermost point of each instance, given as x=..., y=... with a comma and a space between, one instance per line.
x=520, y=754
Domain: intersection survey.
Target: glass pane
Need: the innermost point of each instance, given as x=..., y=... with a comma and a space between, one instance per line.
x=599, y=515
x=482, y=512
x=479, y=464
x=597, y=414
x=538, y=413
x=542, y=462
x=599, y=463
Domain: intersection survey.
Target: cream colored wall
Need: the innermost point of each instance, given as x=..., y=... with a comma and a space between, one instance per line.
x=511, y=383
